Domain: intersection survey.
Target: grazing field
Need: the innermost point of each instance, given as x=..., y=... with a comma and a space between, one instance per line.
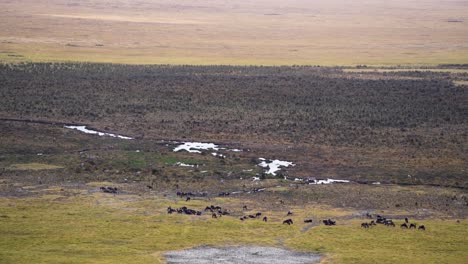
x=82, y=225
x=261, y=32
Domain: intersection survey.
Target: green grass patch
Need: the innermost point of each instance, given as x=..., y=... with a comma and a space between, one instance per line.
x=442, y=242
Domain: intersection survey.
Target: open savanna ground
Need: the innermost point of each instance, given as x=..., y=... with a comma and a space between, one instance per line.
x=79, y=224
x=332, y=32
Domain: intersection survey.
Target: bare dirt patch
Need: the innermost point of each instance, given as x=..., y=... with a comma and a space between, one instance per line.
x=243, y=254
x=133, y=19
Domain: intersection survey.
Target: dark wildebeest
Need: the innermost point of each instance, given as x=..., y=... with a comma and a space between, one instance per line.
x=404, y=225
x=213, y=215
x=109, y=189
x=188, y=199
x=329, y=222
x=149, y=187
x=308, y=221
x=288, y=222
x=406, y=220
x=381, y=220
x=265, y=219
x=245, y=207
x=421, y=227
x=251, y=216
x=365, y=225
x=223, y=212
x=412, y=226
x=368, y=215
x=289, y=213
x=258, y=214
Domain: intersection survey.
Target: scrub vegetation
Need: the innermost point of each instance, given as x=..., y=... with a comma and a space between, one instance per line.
x=401, y=127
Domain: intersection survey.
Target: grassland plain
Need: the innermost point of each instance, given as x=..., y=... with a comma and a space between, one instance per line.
x=334, y=32
x=61, y=225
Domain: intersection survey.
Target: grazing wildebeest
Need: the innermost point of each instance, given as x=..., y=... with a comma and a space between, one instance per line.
x=109, y=189
x=368, y=215
x=406, y=220
x=308, y=221
x=389, y=223
x=170, y=210
x=381, y=220
x=365, y=225
x=412, y=226
x=223, y=212
x=289, y=213
x=181, y=194
x=404, y=225
x=258, y=214
x=288, y=222
x=329, y=222
x=245, y=207
x=251, y=216
x=265, y=219
x=149, y=187
x=372, y=222
x=184, y=210
x=188, y=199
x=213, y=215
x=421, y=227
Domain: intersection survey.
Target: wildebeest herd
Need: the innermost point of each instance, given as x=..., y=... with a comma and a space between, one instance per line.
x=183, y=210
x=218, y=211
x=389, y=222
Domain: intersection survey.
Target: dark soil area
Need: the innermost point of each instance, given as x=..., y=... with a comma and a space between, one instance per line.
x=400, y=127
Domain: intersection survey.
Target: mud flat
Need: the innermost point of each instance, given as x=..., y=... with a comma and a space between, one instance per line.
x=242, y=254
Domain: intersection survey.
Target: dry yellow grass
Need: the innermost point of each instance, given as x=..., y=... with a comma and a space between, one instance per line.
x=451, y=70
x=33, y=166
x=242, y=32
x=461, y=83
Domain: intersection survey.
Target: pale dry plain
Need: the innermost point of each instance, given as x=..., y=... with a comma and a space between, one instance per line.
x=270, y=32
